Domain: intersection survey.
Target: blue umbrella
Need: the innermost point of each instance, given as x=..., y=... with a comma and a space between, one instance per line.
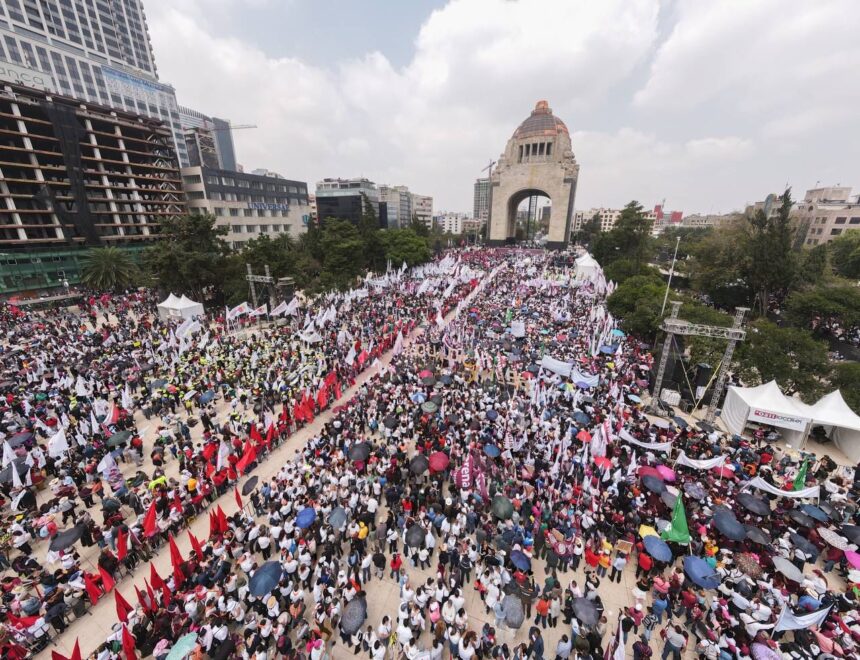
x=725, y=521
x=582, y=385
x=337, y=517
x=814, y=512
x=492, y=451
x=266, y=578
x=520, y=560
x=680, y=422
x=657, y=548
x=581, y=418
x=418, y=397
x=634, y=398
x=700, y=572
x=183, y=647
x=617, y=333
x=492, y=415
x=206, y=397
x=306, y=518
x=608, y=350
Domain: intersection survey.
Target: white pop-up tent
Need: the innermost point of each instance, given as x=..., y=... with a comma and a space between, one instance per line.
x=587, y=268
x=174, y=307
x=841, y=423
x=766, y=404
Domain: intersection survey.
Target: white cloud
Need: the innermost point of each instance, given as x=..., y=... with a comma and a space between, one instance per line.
x=740, y=95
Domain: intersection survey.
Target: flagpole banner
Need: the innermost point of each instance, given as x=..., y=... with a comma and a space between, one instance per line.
x=624, y=434
x=706, y=464
x=761, y=484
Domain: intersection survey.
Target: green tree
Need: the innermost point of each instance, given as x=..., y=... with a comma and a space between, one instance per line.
x=419, y=227
x=108, y=269
x=837, y=302
x=791, y=356
x=587, y=232
x=404, y=245
x=845, y=254
x=718, y=264
x=345, y=254
x=847, y=379
x=629, y=239
x=637, y=303
x=189, y=256
x=813, y=265
x=771, y=265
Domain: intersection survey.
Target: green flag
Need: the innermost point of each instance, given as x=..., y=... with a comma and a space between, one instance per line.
x=677, y=530
x=509, y=315
x=800, y=479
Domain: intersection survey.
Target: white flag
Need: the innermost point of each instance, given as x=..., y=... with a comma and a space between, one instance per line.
x=16, y=478
x=58, y=445
x=238, y=310
x=107, y=464
x=8, y=454
x=127, y=401
x=279, y=309
x=223, y=454
x=262, y=310
x=398, y=344
x=350, y=357
x=790, y=621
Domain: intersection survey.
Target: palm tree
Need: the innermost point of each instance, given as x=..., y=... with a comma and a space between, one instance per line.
x=108, y=268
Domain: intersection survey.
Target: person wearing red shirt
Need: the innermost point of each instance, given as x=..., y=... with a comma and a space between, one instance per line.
x=644, y=564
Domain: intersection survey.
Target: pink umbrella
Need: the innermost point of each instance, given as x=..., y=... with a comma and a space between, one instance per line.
x=425, y=373
x=723, y=471
x=646, y=471
x=602, y=461
x=439, y=461
x=852, y=558
x=583, y=436
x=666, y=472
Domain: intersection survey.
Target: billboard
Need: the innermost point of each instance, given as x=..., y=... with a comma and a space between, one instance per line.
x=777, y=419
x=24, y=75
x=137, y=88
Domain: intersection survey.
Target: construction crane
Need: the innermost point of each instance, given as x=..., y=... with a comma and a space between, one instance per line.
x=489, y=168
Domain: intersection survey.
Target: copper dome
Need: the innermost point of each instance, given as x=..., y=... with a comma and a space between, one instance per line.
x=541, y=123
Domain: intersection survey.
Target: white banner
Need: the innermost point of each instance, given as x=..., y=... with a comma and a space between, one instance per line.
x=578, y=377
x=624, y=434
x=790, y=621
x=556, y=366
x=518, y=328
x=706, y=464
x=776, y=419
x=761, y=484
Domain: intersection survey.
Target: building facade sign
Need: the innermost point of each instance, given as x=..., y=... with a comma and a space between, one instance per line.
x=22, y=75
x=267, y=206
x=140, y=89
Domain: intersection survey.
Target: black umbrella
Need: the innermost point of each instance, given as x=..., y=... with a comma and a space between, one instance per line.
x=157, y=384
x=801, y=518
x=700, y=572
x=390, y=422
x=756, y=535
x=265, y=578
x=830, y=510
x=66, y=538
x=804, y=544
x=428, y=381
x=437, y=399
x=359, y=452
x=585, y=611
x=354, y=615
x=668, y=498
x=817, y=513
x=512, y=606
x=111, y=504
x=452, y=418
x=419, y=464
x=19, y=439
x=20, y=464
x=754, y=504
x=729, y=526
x=653, y=484
x=250, y=485
x=852, y=533
x=119, y=438
x=502, y=507
x=446, y=379
x=415, y=536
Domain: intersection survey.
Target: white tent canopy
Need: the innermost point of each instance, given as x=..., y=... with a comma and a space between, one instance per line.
x=842, y=423
x=765, y=404
x=184, y=308
x=587, y=268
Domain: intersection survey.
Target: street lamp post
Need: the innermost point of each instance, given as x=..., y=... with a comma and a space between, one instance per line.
x=671, y=272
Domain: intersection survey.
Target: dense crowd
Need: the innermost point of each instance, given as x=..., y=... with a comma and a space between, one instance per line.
x=498, y=471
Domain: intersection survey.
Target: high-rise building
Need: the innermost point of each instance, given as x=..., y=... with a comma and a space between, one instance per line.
x=97, y=51
x=607, y=217
x=77, y=175
x=250, y=205
x=481, y=208
x=826, y=213
x=347, y=199
x=209, y=140
x=422, y=208
x=398, y=201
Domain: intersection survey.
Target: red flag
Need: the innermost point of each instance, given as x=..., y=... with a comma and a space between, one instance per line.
x=337, y=390
x=141, y=599
x=213, y=524
x=222, y=520
x=209, y=450
x=322, y=397
x=270, y=434
x=121, y=544
x=238, y=498
x=128, y=644
x=108, y=582
x=248, y=457
x=255, y=434
x=151, y=594
x=149, y=526
x=123, y=609
x=331, y=378
x=92, y=589
x=176, y=560
x=195, y=543
x=308, y=411
x=362, y=357
x=76, y=653
x=210, y=470
x=20, y=622
x=176, y=505
x=158, y=583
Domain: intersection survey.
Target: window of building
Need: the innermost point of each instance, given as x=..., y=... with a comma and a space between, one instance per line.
x=854, y=221
x=249, y=213
x=835, y=232
x=191, y=179
x=234, y=212
x=244, y=184
x=196, y=194
x=215, y=196
x=212, y=180
x=549, y=148
x=227, y=181
x=236, y=229
x=218, y=211
x=251, y=229
x=840, y=221
x=264, y=229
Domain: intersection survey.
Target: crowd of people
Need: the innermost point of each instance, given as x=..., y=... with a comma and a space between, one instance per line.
x=494, y=469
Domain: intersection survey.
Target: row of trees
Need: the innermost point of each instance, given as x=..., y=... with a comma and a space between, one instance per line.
x=192, y=257
x=796, y=297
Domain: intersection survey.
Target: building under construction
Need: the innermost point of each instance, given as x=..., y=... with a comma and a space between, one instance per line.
x=75, y=175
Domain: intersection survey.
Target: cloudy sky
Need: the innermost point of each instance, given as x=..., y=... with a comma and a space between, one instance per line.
x=708, y=104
